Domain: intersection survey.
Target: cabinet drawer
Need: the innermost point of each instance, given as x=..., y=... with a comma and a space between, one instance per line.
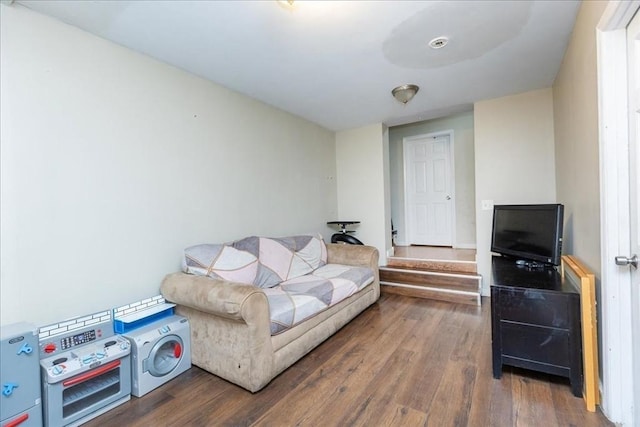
x=534, y=306
x=539, y=344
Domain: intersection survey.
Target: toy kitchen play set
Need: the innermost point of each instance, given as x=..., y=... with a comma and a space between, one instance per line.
x=68, y=373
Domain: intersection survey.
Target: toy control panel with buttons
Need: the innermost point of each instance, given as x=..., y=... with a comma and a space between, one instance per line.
x=84, y=358
x=78, y=345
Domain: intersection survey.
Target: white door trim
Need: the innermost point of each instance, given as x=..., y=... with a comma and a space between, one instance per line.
x=452, y=172
x=617, y=364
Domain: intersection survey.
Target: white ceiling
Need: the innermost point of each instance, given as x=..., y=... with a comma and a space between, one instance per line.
x=335, y=62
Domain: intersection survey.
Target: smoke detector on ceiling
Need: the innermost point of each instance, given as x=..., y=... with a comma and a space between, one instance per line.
x=439, y=42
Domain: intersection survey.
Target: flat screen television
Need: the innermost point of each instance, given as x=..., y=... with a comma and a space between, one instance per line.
x=528, y=232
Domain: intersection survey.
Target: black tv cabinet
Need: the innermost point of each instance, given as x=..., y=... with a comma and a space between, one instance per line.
x=535, y=321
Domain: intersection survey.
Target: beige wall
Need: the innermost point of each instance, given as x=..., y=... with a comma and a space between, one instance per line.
x=514, y=153
x=462, y=126
x=575, y=101
x=387, y=193
x=112, y=163
x=361, y=160
x=575, y=106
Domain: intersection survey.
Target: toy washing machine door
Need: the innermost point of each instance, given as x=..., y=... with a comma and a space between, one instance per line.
x=165, y=356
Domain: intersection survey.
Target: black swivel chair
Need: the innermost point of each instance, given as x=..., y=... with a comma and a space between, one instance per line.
x=343, y=235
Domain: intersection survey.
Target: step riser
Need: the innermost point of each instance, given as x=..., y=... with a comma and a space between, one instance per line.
x=443, y=280
x=430, y=279
x=459, y=298
x=434, y=265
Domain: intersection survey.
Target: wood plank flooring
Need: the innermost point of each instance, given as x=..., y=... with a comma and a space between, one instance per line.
x=403, y=362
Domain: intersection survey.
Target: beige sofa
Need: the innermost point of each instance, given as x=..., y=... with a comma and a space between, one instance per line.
x=230, y=324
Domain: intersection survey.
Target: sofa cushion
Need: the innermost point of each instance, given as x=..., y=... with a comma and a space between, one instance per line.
x=262, y=261
x=290, y=257
x=299, y=298
x=221, y=262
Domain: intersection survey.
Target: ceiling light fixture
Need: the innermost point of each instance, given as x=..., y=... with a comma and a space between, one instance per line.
x=405, y=93
x=439, y=42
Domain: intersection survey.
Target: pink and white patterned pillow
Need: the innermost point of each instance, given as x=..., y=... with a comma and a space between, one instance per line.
x=221, y=262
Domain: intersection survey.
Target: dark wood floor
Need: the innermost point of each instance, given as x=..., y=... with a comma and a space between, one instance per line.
x=403, y=362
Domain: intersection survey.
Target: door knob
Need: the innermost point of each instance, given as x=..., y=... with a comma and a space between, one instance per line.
x=448, y=197
x=623, y=260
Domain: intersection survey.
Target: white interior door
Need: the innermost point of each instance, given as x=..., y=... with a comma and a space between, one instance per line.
x=428, y=193
x=633, y=55
x=619, y=304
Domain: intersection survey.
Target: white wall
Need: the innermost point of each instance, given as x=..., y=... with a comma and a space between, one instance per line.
x=464, y=169
x=361, y=161
x=112, y=163
x=514, y=153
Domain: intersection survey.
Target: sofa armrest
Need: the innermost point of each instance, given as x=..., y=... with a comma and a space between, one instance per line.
x=232, y=300
x=230, y=327
x=357, y=255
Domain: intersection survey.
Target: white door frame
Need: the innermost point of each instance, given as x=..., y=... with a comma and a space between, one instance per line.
x=452, y=181
x=617, y=364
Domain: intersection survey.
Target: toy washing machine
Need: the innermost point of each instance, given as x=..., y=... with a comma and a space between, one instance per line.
x=160, y=352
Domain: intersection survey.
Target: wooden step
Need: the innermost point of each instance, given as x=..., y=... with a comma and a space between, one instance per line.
x=452, y=266
x=467, y=282
x=460, y=287
x=428, y=293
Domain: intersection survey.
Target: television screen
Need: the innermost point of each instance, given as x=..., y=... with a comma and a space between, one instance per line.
x=528, y=232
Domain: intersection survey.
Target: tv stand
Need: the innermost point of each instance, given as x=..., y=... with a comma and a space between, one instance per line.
x=535, y=321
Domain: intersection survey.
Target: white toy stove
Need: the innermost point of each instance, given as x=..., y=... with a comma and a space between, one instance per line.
x=86, y=369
